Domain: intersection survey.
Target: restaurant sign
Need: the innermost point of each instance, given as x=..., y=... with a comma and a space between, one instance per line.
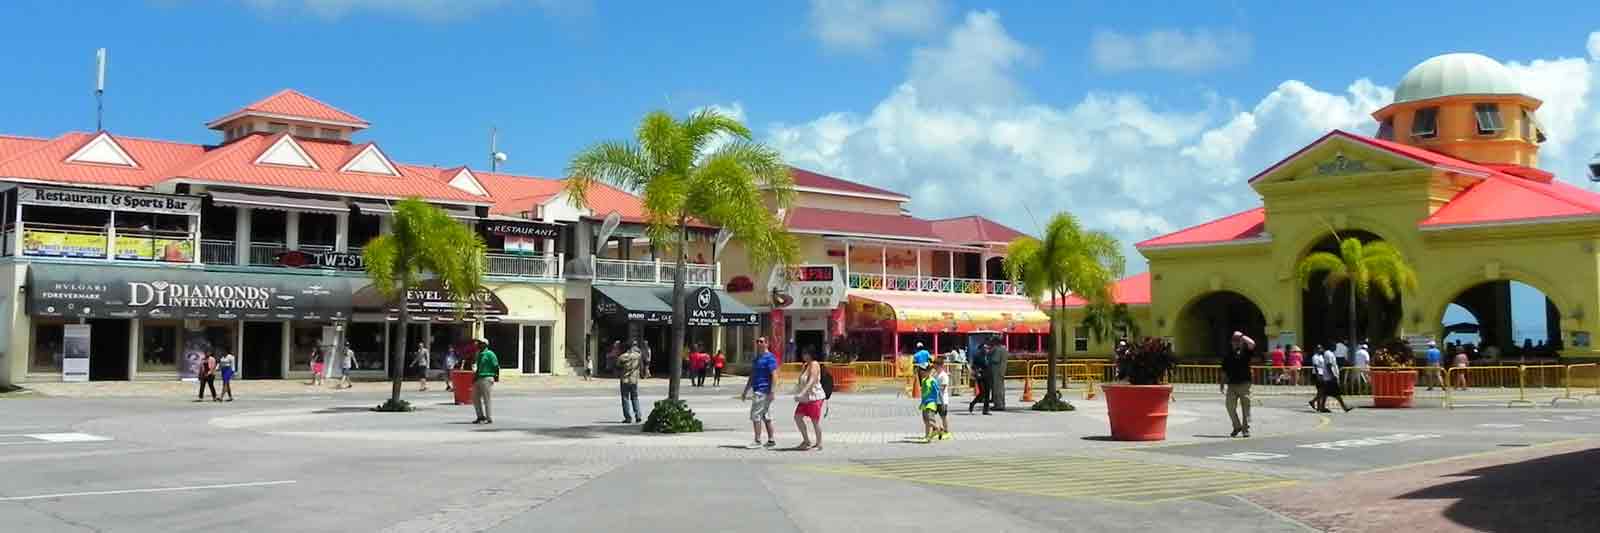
x=523, y=229
x=169, y=204
x=806, y=287
x=111, y=292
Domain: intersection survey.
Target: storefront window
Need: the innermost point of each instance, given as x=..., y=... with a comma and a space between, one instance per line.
x=304, y=340
x=503, y=340
x=46, y=347
x=159, y=343
x=366, y=338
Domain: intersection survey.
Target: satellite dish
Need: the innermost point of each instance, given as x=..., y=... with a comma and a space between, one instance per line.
x=1594, y=167
x=723, y=236
x=607, y=228
x=499, y=156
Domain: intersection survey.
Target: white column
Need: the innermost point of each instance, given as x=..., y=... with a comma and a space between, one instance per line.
x=951, y=255
x=291, y=230
x=16, y=240
x=883, y=264
x=286, y=344
x=135, y=339
x=385, y=224
x=194, y=236
x=238, y=347
x=983, y=271
x=341, y=232
x=523, y=368
x=111, y=237
x=919, y=270
x=846, y=262
x=241, y=236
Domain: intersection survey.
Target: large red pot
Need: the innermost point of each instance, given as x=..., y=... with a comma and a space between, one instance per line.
x=1138, y=412
x=461, y=381
x=1393, y=388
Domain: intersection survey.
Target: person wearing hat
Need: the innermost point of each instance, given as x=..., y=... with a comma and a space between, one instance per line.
x=1434, y=361
x=1363, y=364
x=1236, y=382
x=486, y=373
x=922, y=358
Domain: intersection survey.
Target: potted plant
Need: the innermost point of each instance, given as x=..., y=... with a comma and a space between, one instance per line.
x=1394, y=381
x=1138, y=408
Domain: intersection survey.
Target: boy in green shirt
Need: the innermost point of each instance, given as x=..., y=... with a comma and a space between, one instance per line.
x=487, y=372
x=929, y=404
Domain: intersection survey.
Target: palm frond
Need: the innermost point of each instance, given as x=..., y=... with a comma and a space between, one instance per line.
x=1319, y=263
x=615, y=163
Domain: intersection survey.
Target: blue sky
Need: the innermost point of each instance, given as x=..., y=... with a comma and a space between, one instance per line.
x=1141, y=118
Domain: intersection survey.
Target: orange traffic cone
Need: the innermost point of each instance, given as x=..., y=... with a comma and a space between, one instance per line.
x=1027, y=389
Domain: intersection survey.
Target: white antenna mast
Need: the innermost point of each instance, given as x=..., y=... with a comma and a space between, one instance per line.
x=495, y=155
x=100, y=89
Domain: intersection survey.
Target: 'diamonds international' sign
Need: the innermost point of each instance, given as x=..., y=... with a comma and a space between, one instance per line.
x=112, y=292
x=108, y=200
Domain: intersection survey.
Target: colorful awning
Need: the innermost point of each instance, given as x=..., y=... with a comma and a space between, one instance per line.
x=946, y=313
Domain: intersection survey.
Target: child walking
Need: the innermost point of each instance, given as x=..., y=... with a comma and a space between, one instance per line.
x=929, y=404
x=941, y=375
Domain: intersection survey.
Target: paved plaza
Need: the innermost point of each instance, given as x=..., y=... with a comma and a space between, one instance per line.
x=285, y=457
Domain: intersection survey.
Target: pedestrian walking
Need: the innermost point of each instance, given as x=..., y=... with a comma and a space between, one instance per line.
x=227, y=365
x=697, y=366
x=1279, y=375
x=646, y=357
x=758, y=391
x=487, y=374
x=420, y=360
x=980, y=380
x=1461, y=362
x=207, y=377
x=349, y=365
x=1236, y=382
x=941, y=376
x=318, y=365
x=928, y=404
x=1363, y=362
x=1433, y=360
x=809, y=397
x=716, y=368
x=1297, y=358
x=450, y=364
x=1316, y=373
x=1328, y=382
x=628, y=382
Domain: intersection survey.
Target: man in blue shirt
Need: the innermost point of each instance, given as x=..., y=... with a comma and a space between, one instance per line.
x=762, y=373
x=1434, y=360
x=922, y=358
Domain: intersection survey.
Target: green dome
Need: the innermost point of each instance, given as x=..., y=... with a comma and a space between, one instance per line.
x=1456, y=74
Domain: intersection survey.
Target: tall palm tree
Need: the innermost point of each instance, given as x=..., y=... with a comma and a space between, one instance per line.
x=704, y=168
x=1069, y=259
x=1365, y=267
x=425, y=241
x=1105, y=320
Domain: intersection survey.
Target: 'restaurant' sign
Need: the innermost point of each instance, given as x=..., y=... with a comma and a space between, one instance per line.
x=523, y=229
x=108, y=200
x=110, y=292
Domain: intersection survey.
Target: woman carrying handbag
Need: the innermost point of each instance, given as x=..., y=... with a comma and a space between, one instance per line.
x=809, y=397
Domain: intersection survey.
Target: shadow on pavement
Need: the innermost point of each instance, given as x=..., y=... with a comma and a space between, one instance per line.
x=593, y=431
x=345, y=409
x=1553, y=493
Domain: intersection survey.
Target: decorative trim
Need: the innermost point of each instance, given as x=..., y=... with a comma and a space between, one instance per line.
x=306, y=160
x=248, y=113
x=103, y=141
x=366, y=156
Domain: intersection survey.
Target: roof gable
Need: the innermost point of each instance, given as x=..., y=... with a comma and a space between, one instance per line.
x=856, y=224
x=285, y=151
x=292, y=104
x=466, y=182
x=103, y=149
x=1236, y=227
x=1340, y=154
x=371, y=161
x=815, y=182
x=974, y=229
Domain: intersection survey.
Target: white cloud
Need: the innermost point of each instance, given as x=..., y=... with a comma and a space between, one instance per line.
x=433, y=10
x=862, y=25
x=1116, y=160
x=1175, y=50
x=735, y=111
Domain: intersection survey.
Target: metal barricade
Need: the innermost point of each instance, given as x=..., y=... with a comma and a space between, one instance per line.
x=873, y=369
x=1468, y=385
x=1583, y=382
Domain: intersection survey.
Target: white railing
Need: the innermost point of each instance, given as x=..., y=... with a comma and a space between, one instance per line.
x=943, y=285
x=538, y=266
x=316, y=248
x=218, y=252
x=265, y=253
x=654, y=272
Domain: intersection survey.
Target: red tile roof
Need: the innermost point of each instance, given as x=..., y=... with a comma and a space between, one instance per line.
x=235, y=164
x=12, y=145
x=973, y=229
x=1504, y=198
x=851, y=223
x=47, y=161
x=1132, y=290
x=806, y=178
x=292, y=103
x=1238, y=226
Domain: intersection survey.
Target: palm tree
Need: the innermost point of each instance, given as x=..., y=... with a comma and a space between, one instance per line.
x=425, y=241
x=1365, y=267
x=1105, y=320
x=684, y=179
x=1068, y=260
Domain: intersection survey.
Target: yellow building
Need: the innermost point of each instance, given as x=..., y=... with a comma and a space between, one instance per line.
x=1449, y=179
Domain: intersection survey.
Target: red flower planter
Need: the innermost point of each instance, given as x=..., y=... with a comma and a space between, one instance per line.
x=461, y=381
x=1138, y=412
x=1393, y=388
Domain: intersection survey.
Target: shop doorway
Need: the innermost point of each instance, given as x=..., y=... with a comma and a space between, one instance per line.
x=262, y=356
x=108, y=350
x=1326, y=311
x=657, y=338
x=1503, y=318
x=1205, y=327
x=809, y=341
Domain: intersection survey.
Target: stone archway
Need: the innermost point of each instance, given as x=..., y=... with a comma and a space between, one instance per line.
x=1207, y=323
x=1325, y=313
x=1509, y=315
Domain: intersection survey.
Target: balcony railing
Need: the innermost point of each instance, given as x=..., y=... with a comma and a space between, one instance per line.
x=944, y=285
x=215, y=252
x=525, y=266
x=95, y=242
x=265, y=253
x=655, y=272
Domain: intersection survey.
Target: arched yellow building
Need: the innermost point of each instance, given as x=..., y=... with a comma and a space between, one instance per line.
x=1449, y=180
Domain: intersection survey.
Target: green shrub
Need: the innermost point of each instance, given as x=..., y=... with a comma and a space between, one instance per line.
x=1053, y=402
x=670, y=416
x=393, y=406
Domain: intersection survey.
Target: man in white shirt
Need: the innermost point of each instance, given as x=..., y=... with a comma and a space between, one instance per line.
x=1362, y=363
x=1341, y=353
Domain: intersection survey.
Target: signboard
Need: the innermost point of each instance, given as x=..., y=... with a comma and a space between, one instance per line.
x=1286, y=339
x=523, y=229
x=703, y=307
x=432, y=298
x=169, y=204
x=75, y=352
x=331, y=260
x=168, y=250
x=118, y=292
x=42, y=243
x=807, y=287
x=1418, y=343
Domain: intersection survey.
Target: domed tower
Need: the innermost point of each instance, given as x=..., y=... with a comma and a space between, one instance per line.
x=1465, y=105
